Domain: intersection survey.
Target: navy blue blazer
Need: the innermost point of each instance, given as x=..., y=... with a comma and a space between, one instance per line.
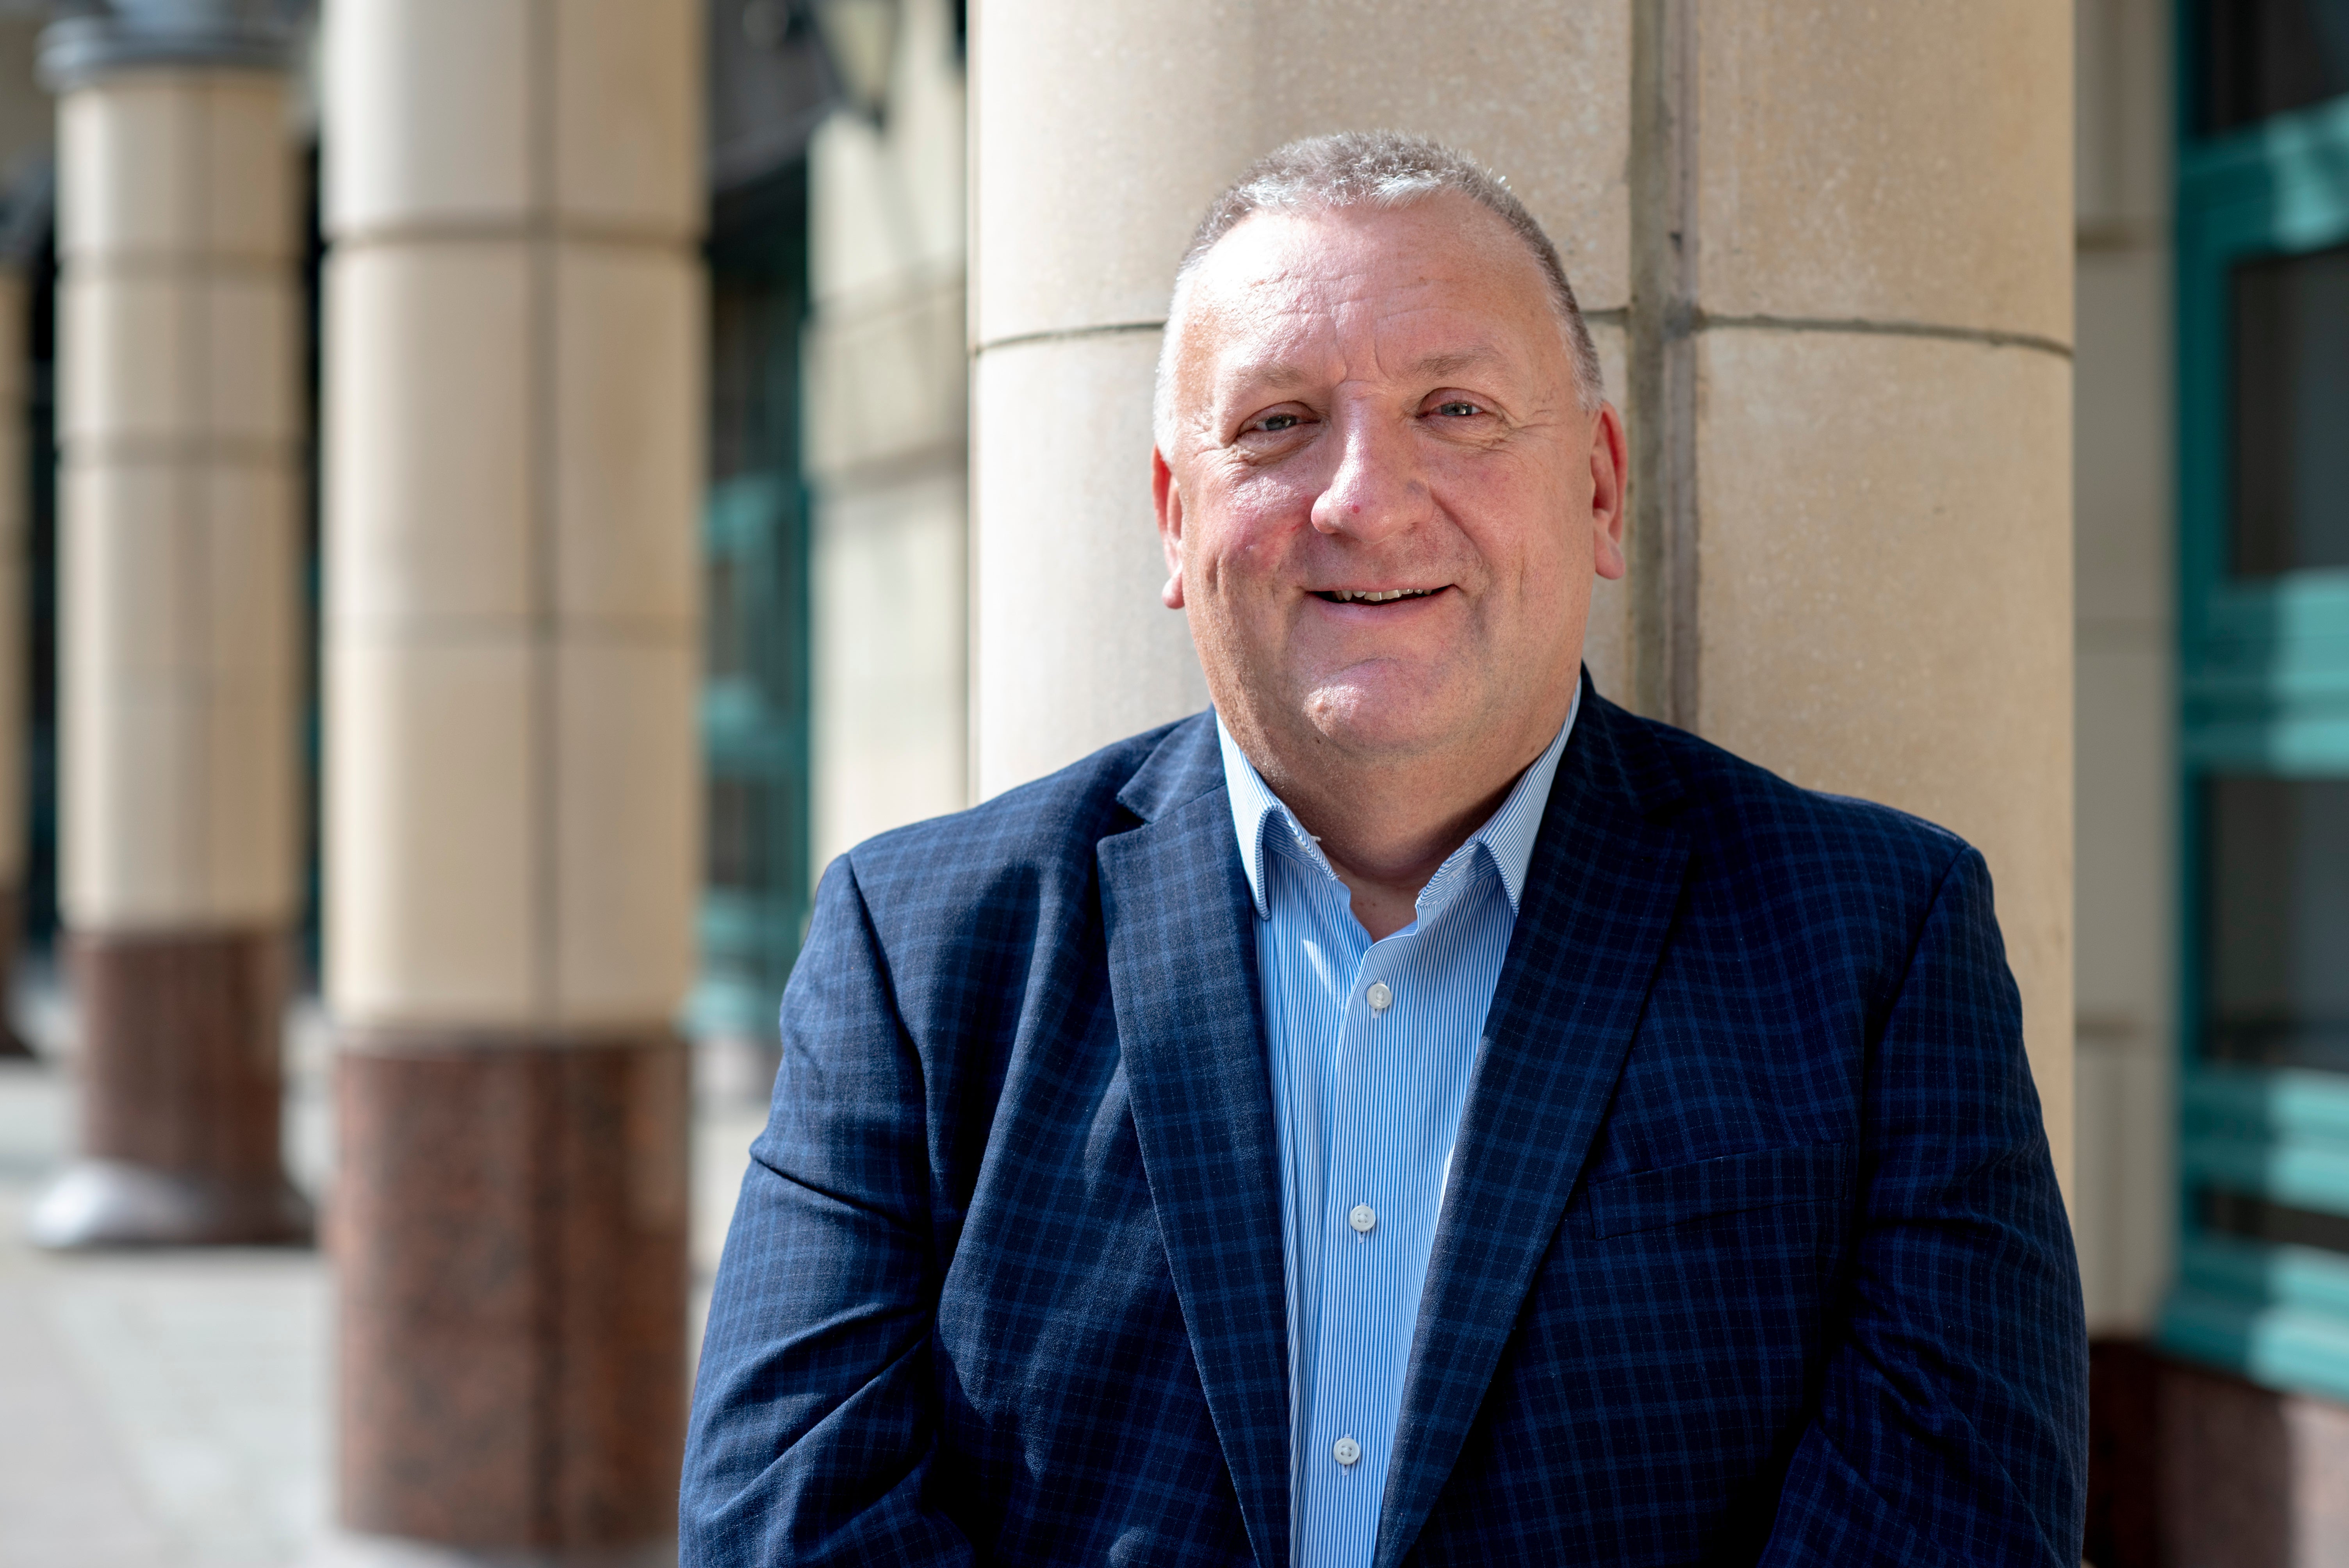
x=1752, y=1250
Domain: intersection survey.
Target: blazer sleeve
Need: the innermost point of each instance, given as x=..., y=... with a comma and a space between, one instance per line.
x=1952, y=1425
x=814, y=1427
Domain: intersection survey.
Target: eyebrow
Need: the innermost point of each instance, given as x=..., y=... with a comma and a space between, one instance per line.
x=1282, y=373
x=1463, y=359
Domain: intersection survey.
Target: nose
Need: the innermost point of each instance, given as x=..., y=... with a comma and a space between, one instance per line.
x=1380, y=488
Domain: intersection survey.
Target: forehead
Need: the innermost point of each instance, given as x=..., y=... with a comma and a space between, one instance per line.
x=1442, y=261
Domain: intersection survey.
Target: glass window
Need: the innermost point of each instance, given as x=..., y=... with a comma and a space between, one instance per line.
x=2291, y=503
x=2263, y=650
x=2259, y=57
x=754, y=699
x=738, y=848
x=2276, y=920
x=725, y=635
x=2278, y=1224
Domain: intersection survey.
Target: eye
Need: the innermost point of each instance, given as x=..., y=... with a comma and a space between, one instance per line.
x=1288, y=421
x=1459, y=408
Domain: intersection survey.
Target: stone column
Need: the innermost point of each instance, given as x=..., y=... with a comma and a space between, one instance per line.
x=513, y=412
x=1871, y=472
x=1828, y=259
x=2125, y=633
x=178, y=450
x=886, y=452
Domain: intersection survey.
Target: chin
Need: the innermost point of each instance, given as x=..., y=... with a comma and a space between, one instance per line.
x=1398, y=724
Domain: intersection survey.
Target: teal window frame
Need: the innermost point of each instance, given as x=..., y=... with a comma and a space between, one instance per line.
x=755, y=699
x=2263, y=688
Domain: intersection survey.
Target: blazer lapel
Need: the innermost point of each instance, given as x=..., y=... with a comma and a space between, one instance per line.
x=1182, y=969
x=1599, y=896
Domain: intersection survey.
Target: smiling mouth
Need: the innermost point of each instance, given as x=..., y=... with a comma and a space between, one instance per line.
x=1372, y=595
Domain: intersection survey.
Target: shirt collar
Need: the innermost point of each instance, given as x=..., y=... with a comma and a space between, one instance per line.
x=1508, y=835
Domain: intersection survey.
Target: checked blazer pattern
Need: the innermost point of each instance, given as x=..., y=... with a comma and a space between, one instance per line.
x=1751, y=1251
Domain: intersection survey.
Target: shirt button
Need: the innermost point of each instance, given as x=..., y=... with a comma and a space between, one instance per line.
x=1362, y=1219
x=1345, y=1450
x=1379, y=995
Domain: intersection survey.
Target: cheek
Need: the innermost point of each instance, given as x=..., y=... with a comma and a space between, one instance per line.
x=1524, y=525
x=1247, y=530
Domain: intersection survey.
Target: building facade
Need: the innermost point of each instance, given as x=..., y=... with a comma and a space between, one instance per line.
x=2214, y=847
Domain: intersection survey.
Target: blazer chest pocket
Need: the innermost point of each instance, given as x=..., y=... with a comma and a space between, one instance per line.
x=1732, y=1184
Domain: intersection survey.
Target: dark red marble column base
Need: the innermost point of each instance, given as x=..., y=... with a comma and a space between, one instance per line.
x=2123, y=1455
x=181, y=1085
x=510, y=1231
x=2190, y=1467
x=12, y=932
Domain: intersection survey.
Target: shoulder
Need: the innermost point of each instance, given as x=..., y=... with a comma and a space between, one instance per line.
x=1748, y=822
x=1019, y=844
x=966, y=914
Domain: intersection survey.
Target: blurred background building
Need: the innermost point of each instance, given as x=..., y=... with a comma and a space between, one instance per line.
x=495, y=494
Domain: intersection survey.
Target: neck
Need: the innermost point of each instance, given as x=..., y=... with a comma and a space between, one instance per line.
x=1386, y=826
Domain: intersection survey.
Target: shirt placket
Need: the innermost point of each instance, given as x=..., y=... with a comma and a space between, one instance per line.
x=1347, y=1444
x=1334, y=932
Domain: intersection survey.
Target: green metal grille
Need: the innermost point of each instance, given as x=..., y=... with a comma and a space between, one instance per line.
x=754, y=701
x=2262, y=208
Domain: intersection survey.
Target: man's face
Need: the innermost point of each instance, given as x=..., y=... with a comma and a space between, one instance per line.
x=1380, y=403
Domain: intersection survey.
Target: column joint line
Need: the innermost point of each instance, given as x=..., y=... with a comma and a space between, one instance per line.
x=1660, y=321
x=524, y=229
x=1992, y=337
x=1068, y=335
x=163, y=262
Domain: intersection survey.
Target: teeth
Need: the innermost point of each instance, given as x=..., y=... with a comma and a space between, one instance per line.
x=1353, y=595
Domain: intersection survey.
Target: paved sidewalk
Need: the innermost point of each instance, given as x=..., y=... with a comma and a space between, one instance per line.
x=175, y=1410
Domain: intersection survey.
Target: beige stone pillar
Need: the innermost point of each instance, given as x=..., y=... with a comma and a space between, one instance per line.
x=178, y=605
x=1874, y=491
x=1827, y=251
x=2124, y=1209
x=514, y=346
x=885, y=452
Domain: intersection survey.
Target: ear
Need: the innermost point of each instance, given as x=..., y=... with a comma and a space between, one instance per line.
x=1609, y=483
x=1168, y=501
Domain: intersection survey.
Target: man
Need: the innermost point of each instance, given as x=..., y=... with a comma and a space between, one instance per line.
x=1416, y=1111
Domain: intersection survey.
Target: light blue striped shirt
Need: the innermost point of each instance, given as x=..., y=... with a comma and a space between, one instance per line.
x=1372, y=1043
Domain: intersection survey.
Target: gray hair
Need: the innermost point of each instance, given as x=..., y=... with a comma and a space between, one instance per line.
x=1384, y=169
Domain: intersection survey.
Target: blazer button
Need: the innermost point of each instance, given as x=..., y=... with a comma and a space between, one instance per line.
x=1345, y=1450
